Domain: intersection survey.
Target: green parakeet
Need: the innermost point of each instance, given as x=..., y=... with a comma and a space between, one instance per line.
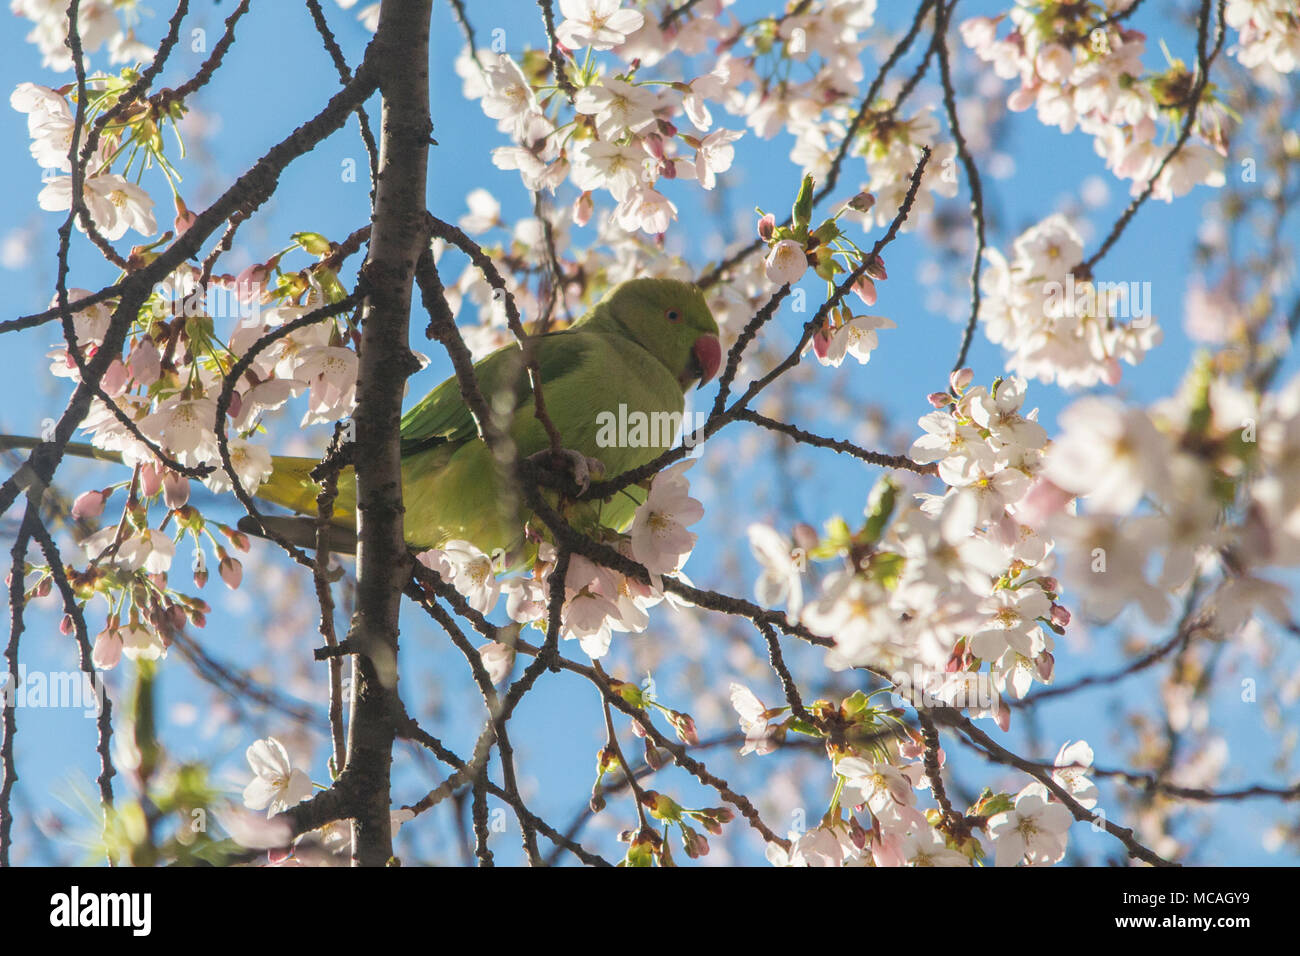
x=640, y=347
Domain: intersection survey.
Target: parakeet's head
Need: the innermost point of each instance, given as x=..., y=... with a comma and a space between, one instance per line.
x=671, y=320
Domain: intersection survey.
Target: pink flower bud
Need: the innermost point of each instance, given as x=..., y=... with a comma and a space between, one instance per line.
x=654, y=757
x=90, y=504
x=108, y=649
x=145, y=362
x=151, y=479
x=1046, y=664
x=175, y=489
x=865, y=289
x=231, y=571
x=939, y=399
x=862, y=202
x=66, y=626
x=250, y=285
x=857, y=834
x=694, y=843
x=1060, y=616
x=876, y=269
x=582, y=209
x=115, y=378
x=685, y=727
x=821, y=341
x=961, y=378
x=766, y=227
x=184, y=218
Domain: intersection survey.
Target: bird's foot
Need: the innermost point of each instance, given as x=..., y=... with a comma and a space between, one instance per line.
x=578, y=465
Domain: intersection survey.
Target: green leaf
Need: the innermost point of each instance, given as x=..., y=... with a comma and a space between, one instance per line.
x=313, y=242
x=880, y=508
x=803, y=204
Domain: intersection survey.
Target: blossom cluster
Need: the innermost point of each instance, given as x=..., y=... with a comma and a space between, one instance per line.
x=620, y=135
x=1080, y=74
x=1201, y=484
x=115, y=204
x=99, y=22
x=1268, y=33
x=932, y=590
x=1059, y=326
x=1030, y=827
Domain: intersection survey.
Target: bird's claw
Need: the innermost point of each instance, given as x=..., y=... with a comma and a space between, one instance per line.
x=580, y=466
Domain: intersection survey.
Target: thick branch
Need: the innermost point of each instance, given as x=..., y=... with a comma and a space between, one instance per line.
x=397, y=235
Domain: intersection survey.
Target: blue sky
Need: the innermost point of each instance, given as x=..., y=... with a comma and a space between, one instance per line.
x=277, y=76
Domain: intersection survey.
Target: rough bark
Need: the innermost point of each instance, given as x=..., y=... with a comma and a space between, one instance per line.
x=401, y=55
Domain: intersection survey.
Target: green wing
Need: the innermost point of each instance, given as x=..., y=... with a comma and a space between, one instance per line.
x=442, y=415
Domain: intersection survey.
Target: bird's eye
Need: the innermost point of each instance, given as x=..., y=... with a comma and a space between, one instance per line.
x=672, y=315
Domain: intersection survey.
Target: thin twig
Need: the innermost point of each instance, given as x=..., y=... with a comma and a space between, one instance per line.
x=556, y=56
x=1203, y=61
x=942, y=16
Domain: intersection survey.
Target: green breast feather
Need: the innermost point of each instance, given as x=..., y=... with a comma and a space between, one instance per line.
x=452, y=487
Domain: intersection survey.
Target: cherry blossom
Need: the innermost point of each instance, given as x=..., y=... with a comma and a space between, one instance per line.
x=856, y=336
x=599, y=24
x=469, y=570
x=115, y=205
x=781, y=581
x=1034, y=831
x=276, y=785
x=786, y=263
x=659, y=537
x=761, y=737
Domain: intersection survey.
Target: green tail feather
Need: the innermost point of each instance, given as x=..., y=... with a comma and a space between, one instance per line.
x=289, y=485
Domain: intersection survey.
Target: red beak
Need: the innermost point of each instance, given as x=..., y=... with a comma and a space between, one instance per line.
x=708, y=356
